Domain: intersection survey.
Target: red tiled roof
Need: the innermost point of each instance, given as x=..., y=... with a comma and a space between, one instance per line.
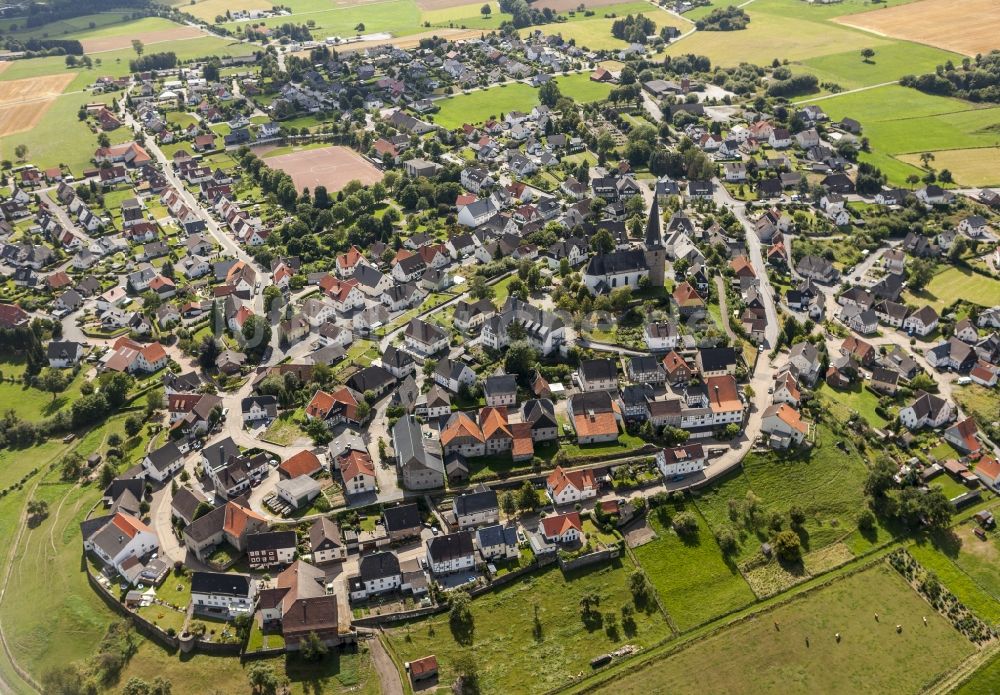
x=561, y=523
x=559, y=479
x=302, y=463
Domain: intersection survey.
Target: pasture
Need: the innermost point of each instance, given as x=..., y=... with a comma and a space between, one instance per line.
x=398, y=17
x=977, y=166
x=332, y=167
x=478, y=106
x=967, y=566
x=935, y=22
x=595, y=32
x=900, y=121
x=682, y=568
x=149, y=30
x=792, y=648
x=24, y=102
x=531, y=635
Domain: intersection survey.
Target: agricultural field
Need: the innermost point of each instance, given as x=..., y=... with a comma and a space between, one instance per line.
x=208, y=10
x=682, y=568
x=952, y=284
x=806, y=35
x=24, y=102
x=595, y=32
x=792, y=648
x=533, y=629
x=959, y=582
x=969, y=167
x=934, y=22
x=899, y=121
x=398, y=17
x=984, y=681
x=333, y=167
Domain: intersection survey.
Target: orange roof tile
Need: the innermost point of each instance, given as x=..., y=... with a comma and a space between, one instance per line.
x=461, y=425
x=356, y=463
x=559, y=479
x=723, y=394
x=561, y=523
x=302, y=463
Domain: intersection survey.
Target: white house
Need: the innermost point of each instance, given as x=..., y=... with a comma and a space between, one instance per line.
x=680, y=460
x=562, y=528
x=784, y=424
x=451, y=553
x=378, y=573
x=161, y=464
x=117, y=538
x=223, y=593
x=567, y=487
x=926, y=410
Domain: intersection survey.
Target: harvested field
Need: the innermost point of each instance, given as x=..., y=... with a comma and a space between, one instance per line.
x=4, y=64
x=332, y=167
x=443, y=4
x=979, y=166
x=114, y=43
x=967, y=26
x=24, y=102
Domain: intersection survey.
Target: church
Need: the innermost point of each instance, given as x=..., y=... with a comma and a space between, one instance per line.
x=606, y=272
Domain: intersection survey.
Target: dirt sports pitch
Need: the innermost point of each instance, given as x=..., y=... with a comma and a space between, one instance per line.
x=24, y=102
x=964, y=26
x=332, y=167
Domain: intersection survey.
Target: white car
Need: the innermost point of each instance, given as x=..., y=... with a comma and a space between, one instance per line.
x=963, y=381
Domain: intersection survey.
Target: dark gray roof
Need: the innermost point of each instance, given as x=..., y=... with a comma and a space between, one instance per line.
x=500, y=384
x=162, y=458
x=378, y=566
x=220, y=583
x=616, y=262
x=450, y=547
x=271, y=540
x=402, y=517
x=475, y=502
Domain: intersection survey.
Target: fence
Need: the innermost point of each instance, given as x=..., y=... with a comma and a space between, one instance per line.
x=388, y=618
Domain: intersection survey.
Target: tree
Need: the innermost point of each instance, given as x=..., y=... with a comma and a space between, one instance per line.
x=256, y=337
x=602, y=242
x=72, y=466
x=520, y=358
x=312, y=647
x=788, y=546
x=208, y=352
x=548, y=94
x=21, y=151
x=926, y=158
x=133, y=425
x=685, y=524
x=527, y=498
x=508, y=503
x=867, y=54
x=263, y=680
x=486, y=10
x=479, y=289
x=138, y=47
x=921, y=272
x=797, y=515
x=52, y=381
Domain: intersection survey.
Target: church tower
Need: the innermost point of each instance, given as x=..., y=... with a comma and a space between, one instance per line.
x=656, y=254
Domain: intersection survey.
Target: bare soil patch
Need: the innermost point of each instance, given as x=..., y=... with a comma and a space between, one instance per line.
x=4, y=64
x=964, y=26
x=332, y=167
x=114, y=43
x=638, y=533
x=24, y=102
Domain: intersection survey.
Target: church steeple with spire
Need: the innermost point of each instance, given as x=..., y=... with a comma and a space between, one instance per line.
x=656, y=254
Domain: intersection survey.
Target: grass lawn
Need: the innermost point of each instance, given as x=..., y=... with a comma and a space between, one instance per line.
x=802, y=656
x=953, y=284
x=175, y=591
x=507, y=644
x=857, y=399
x=581, y=88
x=891, y=61
x=476, y=107
x=595, y=32
x=691, y=577
x=284, y=430
x=826, y=482
x=33, y=404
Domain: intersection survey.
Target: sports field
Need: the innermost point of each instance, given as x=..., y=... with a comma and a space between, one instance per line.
x=967, y=26
x=332, y=167
x=24, y=102
x=793, y=648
